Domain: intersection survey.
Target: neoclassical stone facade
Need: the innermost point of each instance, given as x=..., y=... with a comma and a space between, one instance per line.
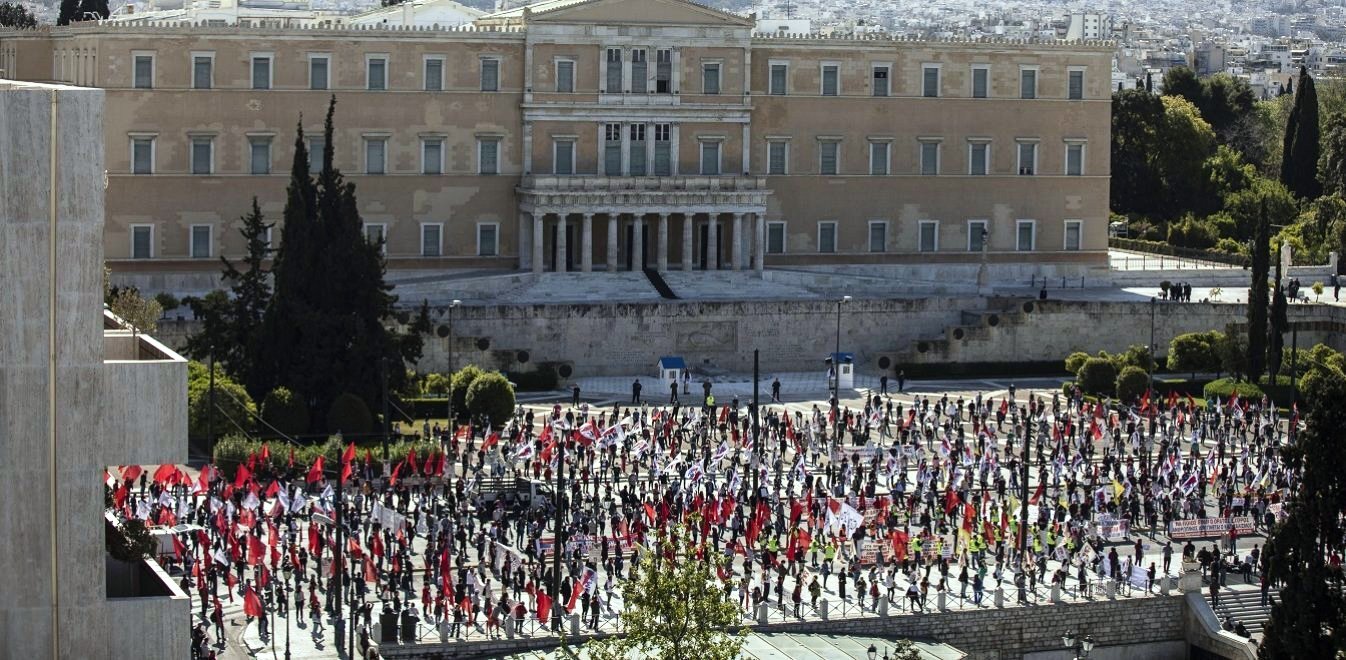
x=602, y=134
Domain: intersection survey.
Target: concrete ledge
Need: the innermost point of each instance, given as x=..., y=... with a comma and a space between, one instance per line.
x=1203, y=631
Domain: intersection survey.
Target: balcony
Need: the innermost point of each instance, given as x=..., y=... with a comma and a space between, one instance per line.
x=145, y=402
x=642, y=194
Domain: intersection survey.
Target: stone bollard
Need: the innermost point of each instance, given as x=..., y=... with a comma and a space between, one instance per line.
x=999, y=596
x=574, y=624
x=1110, y=588
x=1165, y=585
x=1190, y=580
x=1056, y=593
x=882, y=608
x=762, y=613
x=443, y=631
x=378, y=632
x=823, y=608
x=509, y=627
x=942, y=601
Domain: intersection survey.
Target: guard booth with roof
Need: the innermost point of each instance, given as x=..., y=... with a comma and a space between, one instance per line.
x=846, y=374
x=671, y=368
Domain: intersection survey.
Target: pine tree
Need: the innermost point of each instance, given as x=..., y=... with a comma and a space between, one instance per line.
x=1307, y=621
x=1257, y=295
x=69, y=12
x=251, y=291
x=325, y=331
x=13, y=14
x=1299, y=156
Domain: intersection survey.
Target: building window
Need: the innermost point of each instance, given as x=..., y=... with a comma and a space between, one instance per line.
x=831, y=84
x=261, y=72
x=376, y=155
x=880, y=80
x=612, y=149
x=929, y=236
x=976, y=235
x=1074, y=159
x=710, y=78
x=377, y=234
x=1028, y=158
x=203, y=70
x=777, y=156
x=317, y=71
x=827, y=156
x=203, y=155
x=980, y=75
x=1074, y=228
x=775, y=238
x=663, y=71
x=640, y=71
x=1028, y=83
x=663, y=150
x=1075, y=85
x=1025, y=236
x=565, y=76
x=878, y=236
x=376, y=72
x=930, y=81
x=710, y=158
x=490, y=74
x=827, y=237
x=434, y=74
x=432, y=155
x=432, y=239
x=142, y=241
x=259, y=155
x=878, y=158
x=563, y=157
x=144, y=72
x=200, y=239
x=142, y=155
x=316, y=146
x=978, y=158
x=929, y=158
x=488, y=156
x=635, y=157
x=614, y=73
x=487, y=239
x=778, y=79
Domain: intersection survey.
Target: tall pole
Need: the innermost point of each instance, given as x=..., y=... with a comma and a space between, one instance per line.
x=453, y=426
x=1023, y=506
x=558, y=543
x=1294, y=362
x=387, y=422
x=1149, y=387
x=210, y=415
x=338, y=570
x=756, y=430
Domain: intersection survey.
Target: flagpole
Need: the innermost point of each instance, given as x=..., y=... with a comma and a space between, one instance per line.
x=557, y=542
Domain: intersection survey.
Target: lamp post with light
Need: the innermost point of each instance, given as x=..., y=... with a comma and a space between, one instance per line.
x=836, y=374
x=1081, y=647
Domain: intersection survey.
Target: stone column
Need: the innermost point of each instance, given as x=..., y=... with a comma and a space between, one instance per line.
x=587, y=244
x=759, y=244
x=525, y=249
x=612, y=243
x=539, y=239
x=736, y=259
x=637, y=238
x=687, y=220
x=712, y=242
x=561, y=242
x=663, y=243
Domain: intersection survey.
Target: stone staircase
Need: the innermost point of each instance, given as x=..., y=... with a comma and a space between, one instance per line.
x=580, y=288
x=1244, y=603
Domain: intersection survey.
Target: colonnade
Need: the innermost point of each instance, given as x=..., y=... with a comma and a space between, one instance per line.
x=545, y=238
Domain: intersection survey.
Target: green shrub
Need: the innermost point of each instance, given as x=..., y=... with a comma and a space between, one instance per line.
x=1226, y=387
x=1191, y=233
x=491, y=397
x=232, y=451
x=285, y=412
x=1075, y=361
x=1131, y=383
x=234, y=409
x=1098, y=376
x=462, y=380
x=131, y=542
x=1195, y=351
x=436, y=384
x=1068, y=389
x=349, y=414
x=541, y=380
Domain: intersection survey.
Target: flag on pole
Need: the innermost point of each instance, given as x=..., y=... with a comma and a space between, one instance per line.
x=315, y=472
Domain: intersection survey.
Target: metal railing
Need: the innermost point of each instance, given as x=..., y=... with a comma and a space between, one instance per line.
x=1169, y=256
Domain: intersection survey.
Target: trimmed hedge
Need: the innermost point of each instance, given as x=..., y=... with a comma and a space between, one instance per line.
x=492, y=397
x=1280, y=393
x=285, y=411
x=1131, y=383
x=234, y=450
x=1098, y=376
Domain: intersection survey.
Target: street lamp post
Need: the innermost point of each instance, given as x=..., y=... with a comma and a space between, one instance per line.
x=1081, y=647
x=836, y=375
x=1150, y=367
x=452, y=425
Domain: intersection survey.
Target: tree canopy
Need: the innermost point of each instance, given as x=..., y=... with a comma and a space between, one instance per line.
x=13, y=14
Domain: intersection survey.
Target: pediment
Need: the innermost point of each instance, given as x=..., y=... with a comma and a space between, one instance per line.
x=643, y=12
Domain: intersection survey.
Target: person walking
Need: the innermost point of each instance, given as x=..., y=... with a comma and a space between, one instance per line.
x=901, y=381
x=673, y=391
x=775, y=390
x=635, y=392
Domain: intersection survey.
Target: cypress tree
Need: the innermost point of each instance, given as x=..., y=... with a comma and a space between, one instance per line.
x=251, y=291
x=1257, y=296
x=69, y=12
x=1299, y=156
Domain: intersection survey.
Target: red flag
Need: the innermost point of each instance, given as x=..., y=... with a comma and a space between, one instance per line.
x=131, y=472
x=256, y=551
x=649, y=511
x=1004, y=406
x=266, y=455
x=252, y=604
x=291, y=456
x=179, y=549
x=345, y=471
x=265, y=579
x=411, y=461
x=369, y=460
x=392, y=481
x=349, y=455
x=370, y=575
x=490, y=441
x=543, y=605
x=272, y=489
x=119, y=495
x=1037, y=494
x=242, y=476
x=315, y=472
x=164, y=473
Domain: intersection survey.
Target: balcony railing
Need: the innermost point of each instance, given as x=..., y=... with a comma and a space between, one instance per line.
x=694, y=183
